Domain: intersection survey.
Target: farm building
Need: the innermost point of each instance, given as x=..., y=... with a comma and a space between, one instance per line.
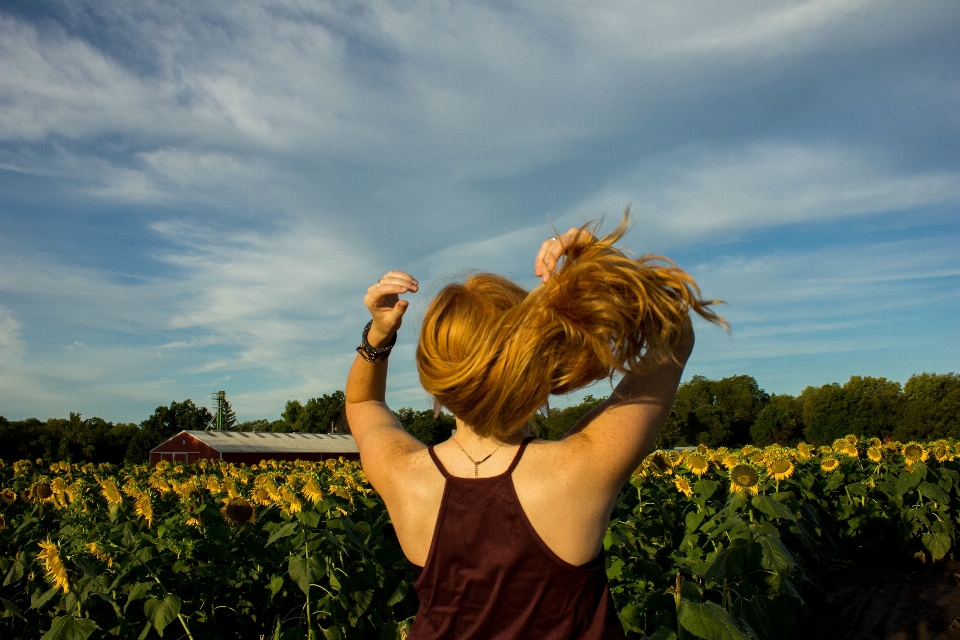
x=252, y=447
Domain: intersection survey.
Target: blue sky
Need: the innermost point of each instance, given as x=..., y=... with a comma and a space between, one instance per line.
x=194, y=195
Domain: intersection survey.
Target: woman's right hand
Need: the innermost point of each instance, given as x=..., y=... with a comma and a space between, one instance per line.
x=385, y=306
x=552, y=249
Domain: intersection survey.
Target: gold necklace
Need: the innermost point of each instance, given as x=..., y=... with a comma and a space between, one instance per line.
x=476, y=463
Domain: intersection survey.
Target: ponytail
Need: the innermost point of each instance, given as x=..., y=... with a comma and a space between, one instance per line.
x=493, y=353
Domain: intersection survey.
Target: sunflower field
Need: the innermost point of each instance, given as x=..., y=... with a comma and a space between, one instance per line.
x=704, y=543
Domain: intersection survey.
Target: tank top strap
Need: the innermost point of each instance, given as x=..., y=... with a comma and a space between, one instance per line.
x=436, y=461
x=516, y=458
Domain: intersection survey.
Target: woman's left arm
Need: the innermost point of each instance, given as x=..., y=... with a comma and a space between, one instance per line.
x=378, y=433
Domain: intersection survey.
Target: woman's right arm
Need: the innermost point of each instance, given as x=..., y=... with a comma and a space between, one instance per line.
x=616, y=435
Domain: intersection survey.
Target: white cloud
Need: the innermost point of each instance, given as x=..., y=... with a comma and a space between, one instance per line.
x=694, y=193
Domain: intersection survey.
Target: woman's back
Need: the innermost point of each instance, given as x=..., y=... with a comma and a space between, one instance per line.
x=489, y=574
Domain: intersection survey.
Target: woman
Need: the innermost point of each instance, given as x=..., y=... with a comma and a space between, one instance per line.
x=506, y=531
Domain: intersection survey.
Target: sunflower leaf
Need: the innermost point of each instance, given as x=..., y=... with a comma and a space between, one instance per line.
x=162, y=612
x=772, y=508
x=933, y=492
x=938, y=544
x=727, y=562
x=708, y=620
x=70, y=628
x=907, y=480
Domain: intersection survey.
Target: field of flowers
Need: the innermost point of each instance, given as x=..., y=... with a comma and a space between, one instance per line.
x=717, y=544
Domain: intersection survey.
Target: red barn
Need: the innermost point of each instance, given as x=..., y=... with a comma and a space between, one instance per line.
x=252, y=447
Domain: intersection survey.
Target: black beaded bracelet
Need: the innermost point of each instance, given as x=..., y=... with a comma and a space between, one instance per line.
x=371, y=353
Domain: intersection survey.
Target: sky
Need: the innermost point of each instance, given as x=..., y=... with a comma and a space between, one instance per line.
x=195, y=195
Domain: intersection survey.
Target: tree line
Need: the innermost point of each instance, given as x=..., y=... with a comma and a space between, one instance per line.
x=732, y=411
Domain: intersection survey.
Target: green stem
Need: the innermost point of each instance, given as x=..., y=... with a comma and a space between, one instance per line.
x=306, y=553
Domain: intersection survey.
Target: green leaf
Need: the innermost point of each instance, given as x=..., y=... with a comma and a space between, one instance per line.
x=709, y=621
x=299, y=570
x=615, y=570
x=705, y=489
x=286, y=530
x=933, y=492
x=772, y=508
x=16, y=571
x=139, y=590
x=309, y=518
x=693, y=520
x=857, y=489
x=727, y=562
x=398, y=594
x=835, y=480
x=44, y=599
x=907, y=480
x=162, y=612
x=12, y=608
x=663, y=633
x=938, y=544
x=70, y=628
x=333, y=633
x=276, y=583
x=776, y=557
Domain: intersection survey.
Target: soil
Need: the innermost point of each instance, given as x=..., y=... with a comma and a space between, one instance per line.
x=876, y=599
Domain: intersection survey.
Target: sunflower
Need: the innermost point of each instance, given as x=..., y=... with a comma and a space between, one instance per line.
x=702, y=449
x=804, y=451
x=830, y=464
x=110, y=492
x=757, y=458
x=874, y=454
x=838, y=444
x=8, y=495
x=683, y=486
x=97, y=552
x=143, y=507
x=293, y=502
x=852, y=440
x=943, y=453
x=697, y=464
x=312, y=490
x=261, y=497
x=42, y=491
x=238, y=510
x=780, y=469
x=876, y=443
x=731, y=461
x=744, y=478
x=193, y=515
x=849, y=450
x=56, y=572
x=213, y=485
x=914, y=452
x=661, y=462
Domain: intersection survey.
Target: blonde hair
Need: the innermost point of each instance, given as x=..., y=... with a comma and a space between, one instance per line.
x=493, y=353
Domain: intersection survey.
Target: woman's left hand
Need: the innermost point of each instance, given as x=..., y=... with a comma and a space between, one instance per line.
x=552, y=249
x=385, y=306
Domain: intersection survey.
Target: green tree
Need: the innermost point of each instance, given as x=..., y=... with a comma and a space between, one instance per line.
x=555, y=423
x=165, y=423
x=320, y=415
x=713, y=412
x=931, y=408
x=777, y=423
x=864, y=407
x=424, y=427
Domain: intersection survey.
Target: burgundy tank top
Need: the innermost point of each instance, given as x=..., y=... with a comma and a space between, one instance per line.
x=489, y=576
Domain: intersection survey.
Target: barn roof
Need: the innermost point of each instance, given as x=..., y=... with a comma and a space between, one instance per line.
x=260, y=442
